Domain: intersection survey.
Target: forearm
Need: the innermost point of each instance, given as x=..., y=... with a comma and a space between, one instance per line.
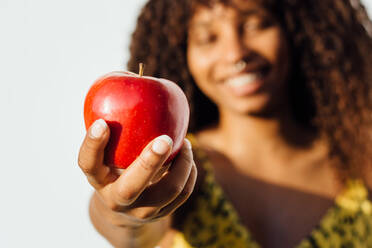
x=103, y=219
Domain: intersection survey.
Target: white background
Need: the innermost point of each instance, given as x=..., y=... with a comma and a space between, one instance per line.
x=50, y=53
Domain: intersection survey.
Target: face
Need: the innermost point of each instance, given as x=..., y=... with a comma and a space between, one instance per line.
x=238, y=57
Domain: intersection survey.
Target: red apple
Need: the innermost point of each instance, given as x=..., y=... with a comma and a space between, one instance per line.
x=137, y=110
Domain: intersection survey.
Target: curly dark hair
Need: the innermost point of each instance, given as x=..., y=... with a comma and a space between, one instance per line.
x=330, y=86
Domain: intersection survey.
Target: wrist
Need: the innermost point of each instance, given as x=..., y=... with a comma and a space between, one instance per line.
x=116, y=229
x=115, y=218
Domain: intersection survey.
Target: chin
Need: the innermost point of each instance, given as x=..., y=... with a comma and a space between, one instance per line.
x=259, y=106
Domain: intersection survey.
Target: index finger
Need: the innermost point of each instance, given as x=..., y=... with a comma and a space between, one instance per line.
x=137, y=177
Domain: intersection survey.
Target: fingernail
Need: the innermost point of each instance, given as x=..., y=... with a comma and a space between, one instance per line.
x=188, y=144
x=98, y=128
x=162, y=144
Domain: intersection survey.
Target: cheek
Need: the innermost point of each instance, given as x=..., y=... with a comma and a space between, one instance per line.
x=269, y=44
x=272, y=46
x=198, y=63
x=201, y=65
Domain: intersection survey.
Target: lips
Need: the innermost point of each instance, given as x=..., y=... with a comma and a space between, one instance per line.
x=243, y=79
x=247, y=82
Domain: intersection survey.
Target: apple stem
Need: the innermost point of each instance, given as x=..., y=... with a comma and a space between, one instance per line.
x=141, y=68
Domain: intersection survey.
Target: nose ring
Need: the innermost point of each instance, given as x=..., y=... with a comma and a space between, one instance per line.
x=240, y=65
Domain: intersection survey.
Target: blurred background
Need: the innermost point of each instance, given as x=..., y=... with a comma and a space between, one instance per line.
x=50, y=54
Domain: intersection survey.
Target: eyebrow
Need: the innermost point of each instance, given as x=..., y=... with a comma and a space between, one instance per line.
x=200, y=24
x=208, y=23
x=249, y=12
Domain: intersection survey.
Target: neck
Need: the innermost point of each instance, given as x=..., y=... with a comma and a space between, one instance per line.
x=258, y=135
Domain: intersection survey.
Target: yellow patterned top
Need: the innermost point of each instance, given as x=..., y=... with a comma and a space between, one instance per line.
x=212, y=221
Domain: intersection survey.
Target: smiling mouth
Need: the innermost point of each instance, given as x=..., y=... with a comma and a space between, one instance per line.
x=244, y=79
x=246, y=83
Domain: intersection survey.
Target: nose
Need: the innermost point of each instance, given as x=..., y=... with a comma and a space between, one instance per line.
x=234, y=47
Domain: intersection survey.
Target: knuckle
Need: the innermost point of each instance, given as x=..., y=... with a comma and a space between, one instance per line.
x=187, y=191
x=187, y=151
x=148, y=161
x=146, y=214
x=126, y=196
x=91, y=145
x=82, y=164
x=114, y=220
x=166, y=211
x=194, y=170
x=86, y=157
x=113, y=206
x=97, y=184
x=187, y=159
x=174, y=190
x=88, y=170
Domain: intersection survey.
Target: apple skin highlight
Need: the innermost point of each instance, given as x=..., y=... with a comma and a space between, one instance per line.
x=137, y=109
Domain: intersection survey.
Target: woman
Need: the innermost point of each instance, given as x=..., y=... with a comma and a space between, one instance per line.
x=280, y=101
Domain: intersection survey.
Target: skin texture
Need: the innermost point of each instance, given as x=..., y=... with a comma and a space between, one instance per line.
x=280, y=145
x=240, y=155
x=329, y=89
x=252, y=35
x=123, y=206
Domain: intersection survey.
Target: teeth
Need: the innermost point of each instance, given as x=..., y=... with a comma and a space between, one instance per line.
x=243, y=79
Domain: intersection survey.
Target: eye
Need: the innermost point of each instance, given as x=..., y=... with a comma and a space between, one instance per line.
x=255, y=23
x=205, y=38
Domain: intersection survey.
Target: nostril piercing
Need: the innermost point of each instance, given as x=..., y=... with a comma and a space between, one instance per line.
x=240, y=65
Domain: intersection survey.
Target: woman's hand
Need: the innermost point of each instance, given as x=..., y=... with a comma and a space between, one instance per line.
x=131, y=199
